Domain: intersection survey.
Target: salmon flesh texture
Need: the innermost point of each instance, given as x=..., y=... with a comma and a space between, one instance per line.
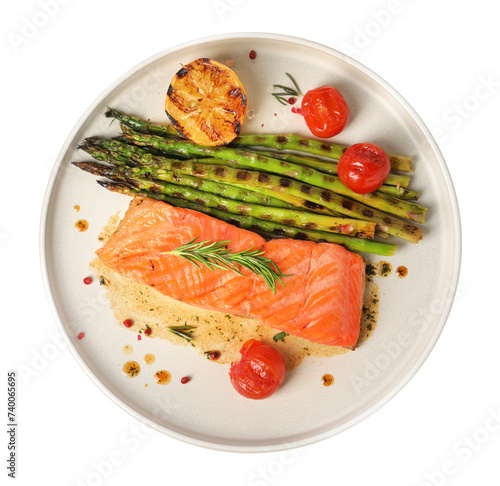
x=321, y=301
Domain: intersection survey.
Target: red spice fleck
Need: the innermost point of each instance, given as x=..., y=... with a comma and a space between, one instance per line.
x=296, y=110
x=214, y=355
x=262, y=125
x=252, y=55
x=276, y=114
x=81, y=335
x=291, y=100
x=184, y=379
x=128, y=322
x=139, y=337
x=87, y=280
x=147, y=331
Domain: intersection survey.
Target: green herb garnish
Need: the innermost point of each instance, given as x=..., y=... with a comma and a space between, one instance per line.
x=287, y=91
x=182, y=331
x=279, y=336
x=216, y=255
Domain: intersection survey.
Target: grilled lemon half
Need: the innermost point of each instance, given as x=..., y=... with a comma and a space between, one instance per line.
x=206, y=102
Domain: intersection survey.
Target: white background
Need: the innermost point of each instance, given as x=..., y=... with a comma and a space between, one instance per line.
x=442, y=428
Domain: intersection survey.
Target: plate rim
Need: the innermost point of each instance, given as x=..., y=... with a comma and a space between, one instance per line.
x=394, y=390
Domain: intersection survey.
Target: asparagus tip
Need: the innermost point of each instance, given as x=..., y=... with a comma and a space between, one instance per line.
x=88, y=167
x=110, y=113
x=117, y=183
x=113, y=186
x=88, y=142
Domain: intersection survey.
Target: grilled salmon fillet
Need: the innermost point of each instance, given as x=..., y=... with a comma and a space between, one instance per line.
x=321, y=301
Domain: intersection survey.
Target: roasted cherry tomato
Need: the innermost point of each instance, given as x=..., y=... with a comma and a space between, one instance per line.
x=260, y=371
x=364, y=167
x=325, y=111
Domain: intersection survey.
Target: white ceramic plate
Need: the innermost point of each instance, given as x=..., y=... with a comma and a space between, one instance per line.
x=208, y=412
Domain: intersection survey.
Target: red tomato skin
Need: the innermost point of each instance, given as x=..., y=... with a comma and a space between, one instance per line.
x=363, y=167
x=325, y=111
x=260, y=371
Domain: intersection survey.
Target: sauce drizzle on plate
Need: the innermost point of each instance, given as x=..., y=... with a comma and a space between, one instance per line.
x=131, y=369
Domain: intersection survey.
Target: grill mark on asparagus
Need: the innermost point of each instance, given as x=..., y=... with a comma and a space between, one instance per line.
x=220, y=171
x=197, y=170
x=312, y=205
x=243, y=175
x=326, y=195
x=177, y=165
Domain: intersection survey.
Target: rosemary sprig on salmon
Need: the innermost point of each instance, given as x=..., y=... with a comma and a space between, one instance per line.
x=216, y=255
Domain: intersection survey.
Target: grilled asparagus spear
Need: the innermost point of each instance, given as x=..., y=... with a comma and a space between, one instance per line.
x=262, y=226
x=316, y=147
x=153, y=179
x=114, y=151
x=279, y=142
x=281, y=187
x=312, y=177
